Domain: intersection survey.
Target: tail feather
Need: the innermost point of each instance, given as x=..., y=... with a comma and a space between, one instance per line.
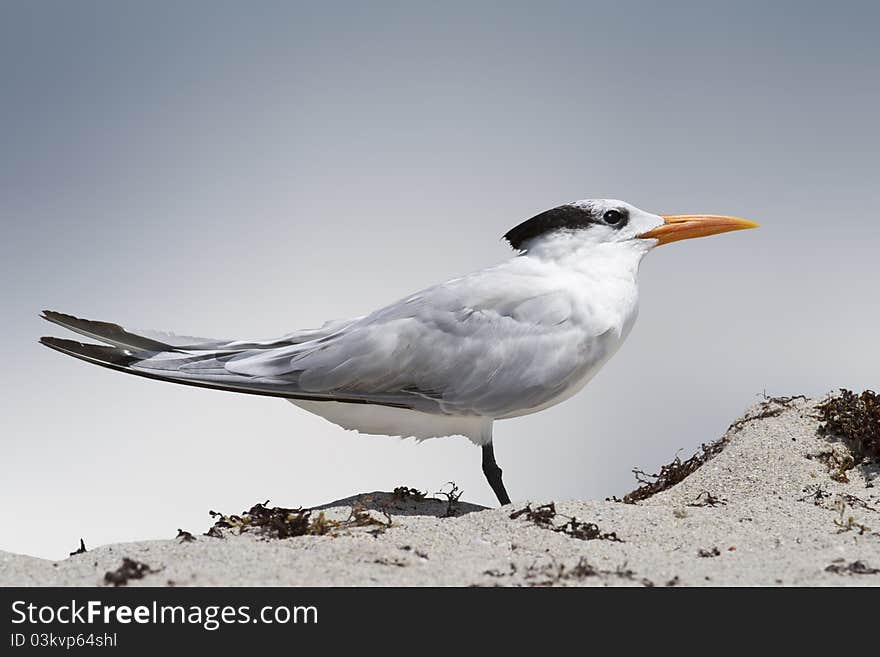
x=124, y=360
x=93, y=353
x=157, y=341
x=106, y=332
x=161, y=366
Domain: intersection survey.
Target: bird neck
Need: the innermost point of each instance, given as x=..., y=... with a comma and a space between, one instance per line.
x=602, y=260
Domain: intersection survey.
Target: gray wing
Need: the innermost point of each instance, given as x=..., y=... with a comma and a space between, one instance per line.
x=469, y=346
x=492, y=343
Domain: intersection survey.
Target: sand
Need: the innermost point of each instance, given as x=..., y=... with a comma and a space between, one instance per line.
x=780, y=519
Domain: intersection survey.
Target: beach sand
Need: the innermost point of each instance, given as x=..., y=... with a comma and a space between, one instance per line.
x=770, y=509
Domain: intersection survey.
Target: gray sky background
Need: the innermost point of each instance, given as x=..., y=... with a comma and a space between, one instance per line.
x=243, y=169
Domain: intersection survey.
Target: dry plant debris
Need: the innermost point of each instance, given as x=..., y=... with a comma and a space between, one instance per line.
x=185, y=536
x=214, y=532
x=130, y=569
x=671, y=473
x=821, y=497
x=550, y=574
x=385, y=561
x=817, y=494
x=81, y=549
x=837, y=460
x=855, y=501
x=282, y=522
x=453, y=495
x=847, y=523
x=856, y=418
x=709, y=500
x=402, y=493
x=854, y=568
x=419, y=553
x=675, y=472
x=546, y=515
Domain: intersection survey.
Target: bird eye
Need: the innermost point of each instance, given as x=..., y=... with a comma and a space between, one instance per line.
x=612, y=217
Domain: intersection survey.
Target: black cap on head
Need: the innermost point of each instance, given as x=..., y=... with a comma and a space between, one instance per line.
x=563, y=217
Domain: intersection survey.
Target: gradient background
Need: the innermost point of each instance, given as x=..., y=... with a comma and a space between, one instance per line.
x=243, y=169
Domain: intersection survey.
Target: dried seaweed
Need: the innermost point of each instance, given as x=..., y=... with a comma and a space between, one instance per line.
x=452, y=497
x=554, y=573
x=769, y=407
x=402, y=493
x=847, y=523
x=851, y=524
x=550, y=574
x=856, y=418
x=392, y=561
x=281, y=522
x=494, y=572
x=214, y=532
x=81, y=549
x=274, y=522
x=419, y=553
x=854, y=568
x=676, y=471
x=709, y=500
x=838, y=460
x=854, y=502
x=821, y=497
x=546, y=515
x=185, y=536
x=671, y=473
x=360, y=517
x=815, y=494
x=714, y=552
x=130, y=569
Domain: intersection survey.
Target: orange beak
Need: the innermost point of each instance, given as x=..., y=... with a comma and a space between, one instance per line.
x=687, y=226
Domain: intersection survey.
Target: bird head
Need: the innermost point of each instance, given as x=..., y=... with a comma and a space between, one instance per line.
x=602, y=221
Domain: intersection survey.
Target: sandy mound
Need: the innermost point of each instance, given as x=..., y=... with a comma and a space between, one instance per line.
x=776, y=502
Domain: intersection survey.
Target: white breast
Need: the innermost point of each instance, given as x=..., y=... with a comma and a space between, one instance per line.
x=618, y=312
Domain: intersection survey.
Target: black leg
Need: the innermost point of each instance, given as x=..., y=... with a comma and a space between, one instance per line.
x=493, y=474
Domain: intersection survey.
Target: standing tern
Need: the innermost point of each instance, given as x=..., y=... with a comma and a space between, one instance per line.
x=502, y=342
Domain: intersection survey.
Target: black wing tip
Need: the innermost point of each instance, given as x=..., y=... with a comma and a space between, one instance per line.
x=95, y=353
x=108, y=332
x=56, y=317
x=57, y=343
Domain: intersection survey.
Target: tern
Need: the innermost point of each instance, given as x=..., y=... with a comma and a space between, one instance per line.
x=509, y=340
